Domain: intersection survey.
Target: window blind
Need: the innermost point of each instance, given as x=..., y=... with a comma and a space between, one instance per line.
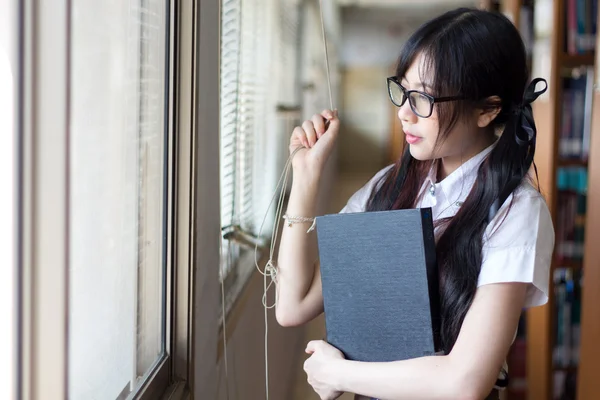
x=230, y=60
x=258, y=73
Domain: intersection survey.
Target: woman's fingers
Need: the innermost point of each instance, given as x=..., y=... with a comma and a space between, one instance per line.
x=313, y=129
x=299, y=136
x=328, y=116
x=332, y=126
x=319, y=124
x=309, y=130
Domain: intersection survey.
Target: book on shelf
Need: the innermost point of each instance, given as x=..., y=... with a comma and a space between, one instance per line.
x=526, y=25
x=571, y=183
x=580, y=26
x=567, y=321
x=517, y=363
x=576, y=116
x=565, y=384
x=567, y=331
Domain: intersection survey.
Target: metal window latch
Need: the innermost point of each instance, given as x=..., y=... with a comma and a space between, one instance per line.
x=236, y=234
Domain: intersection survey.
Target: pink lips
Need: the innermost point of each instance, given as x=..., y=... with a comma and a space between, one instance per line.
x=412, y=139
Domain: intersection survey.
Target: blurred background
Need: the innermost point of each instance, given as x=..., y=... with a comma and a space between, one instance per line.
x=143, y=142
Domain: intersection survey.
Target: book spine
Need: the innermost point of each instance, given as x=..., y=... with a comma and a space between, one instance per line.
x=571, y=210
x=576, y=115
x=580, y=27
x=567, y=319
x=432, y=275
x=566, y=121
x=587, y=124
x=571, y=27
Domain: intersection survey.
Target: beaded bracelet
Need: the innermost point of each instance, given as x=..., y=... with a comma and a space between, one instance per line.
x=298, y=220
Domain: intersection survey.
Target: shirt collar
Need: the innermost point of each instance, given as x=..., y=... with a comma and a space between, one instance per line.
x=456, y=186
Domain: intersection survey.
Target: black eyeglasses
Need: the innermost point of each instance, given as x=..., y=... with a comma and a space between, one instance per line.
x=421, y=103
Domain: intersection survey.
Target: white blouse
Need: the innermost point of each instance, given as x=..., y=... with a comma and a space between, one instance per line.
x=519, y=249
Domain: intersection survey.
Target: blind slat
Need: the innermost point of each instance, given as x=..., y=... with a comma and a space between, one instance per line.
x=258, y=68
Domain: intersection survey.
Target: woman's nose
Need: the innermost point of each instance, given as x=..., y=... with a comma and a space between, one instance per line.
x=406, y=114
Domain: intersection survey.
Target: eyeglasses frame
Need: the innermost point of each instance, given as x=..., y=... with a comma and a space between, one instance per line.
x=406, y=92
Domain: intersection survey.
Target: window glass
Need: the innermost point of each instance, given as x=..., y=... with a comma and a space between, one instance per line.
x=117, y=195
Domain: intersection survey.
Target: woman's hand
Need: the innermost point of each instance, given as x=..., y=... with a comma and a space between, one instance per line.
x=320, y=368
x=317, y=140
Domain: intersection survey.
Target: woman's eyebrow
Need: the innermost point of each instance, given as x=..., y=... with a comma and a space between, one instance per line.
x=422, y=85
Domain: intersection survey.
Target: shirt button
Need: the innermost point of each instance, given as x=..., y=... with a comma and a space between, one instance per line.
x=432, y=189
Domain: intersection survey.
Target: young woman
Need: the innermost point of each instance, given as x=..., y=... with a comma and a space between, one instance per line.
x=461, y=86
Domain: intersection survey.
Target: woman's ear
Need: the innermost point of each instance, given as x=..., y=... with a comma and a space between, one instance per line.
x=489, y=112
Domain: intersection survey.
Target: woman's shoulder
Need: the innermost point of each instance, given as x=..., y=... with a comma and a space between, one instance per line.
x=523, y=220
x=358, y=201
x=518, y=245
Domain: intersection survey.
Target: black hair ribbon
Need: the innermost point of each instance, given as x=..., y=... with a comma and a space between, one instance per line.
x=525, y=135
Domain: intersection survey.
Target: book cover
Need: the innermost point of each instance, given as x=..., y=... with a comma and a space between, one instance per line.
x=380, y=284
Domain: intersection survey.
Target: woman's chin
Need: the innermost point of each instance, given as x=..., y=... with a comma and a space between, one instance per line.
x=418, y=153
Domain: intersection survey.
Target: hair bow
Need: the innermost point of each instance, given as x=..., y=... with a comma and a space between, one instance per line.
x=525, y=114
x=524, y=119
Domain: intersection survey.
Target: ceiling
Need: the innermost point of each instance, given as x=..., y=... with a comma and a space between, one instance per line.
x=373, y=31
x=398, y=16
x=440, y=4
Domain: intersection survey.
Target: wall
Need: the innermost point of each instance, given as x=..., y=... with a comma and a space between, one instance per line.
x=365, y=119
x=246, y=356
x=372, y=39
x=7, y=16
x=7, y=205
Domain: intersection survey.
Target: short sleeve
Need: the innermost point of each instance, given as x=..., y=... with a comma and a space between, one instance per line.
x=358, y=201
x=518, y=245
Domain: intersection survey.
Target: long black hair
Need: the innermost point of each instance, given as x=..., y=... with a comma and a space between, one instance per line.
x=480, y=56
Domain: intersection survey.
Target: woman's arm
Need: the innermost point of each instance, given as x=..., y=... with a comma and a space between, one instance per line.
x=468, y=372
x=299, y=293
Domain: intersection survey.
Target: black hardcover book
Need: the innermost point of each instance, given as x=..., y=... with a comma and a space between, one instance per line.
x=380, y=284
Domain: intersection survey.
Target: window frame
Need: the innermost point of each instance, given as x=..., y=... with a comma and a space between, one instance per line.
x=43, y=225
x=42, y=256
x=206, y=256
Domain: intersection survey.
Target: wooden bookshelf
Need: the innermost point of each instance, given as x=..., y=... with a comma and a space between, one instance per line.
x=575, y=265
x=576, y=60
x=548, y=111
x=565, y=162
x=588, y=383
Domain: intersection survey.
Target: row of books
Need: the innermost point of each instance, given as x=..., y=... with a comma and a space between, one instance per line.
x=571, y=208
x=567, y=327
x=517, y=363
x=565, y=384
x=574, y=140
x=567, y=311
x=580, y=25
x=567, y=331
